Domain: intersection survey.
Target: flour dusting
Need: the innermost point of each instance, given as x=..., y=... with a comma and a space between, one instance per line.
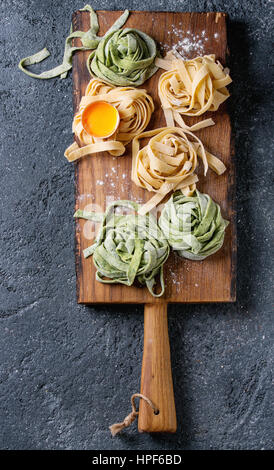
x=187, y=44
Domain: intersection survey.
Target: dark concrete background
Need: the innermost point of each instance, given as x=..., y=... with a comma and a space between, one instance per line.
x=67, y=371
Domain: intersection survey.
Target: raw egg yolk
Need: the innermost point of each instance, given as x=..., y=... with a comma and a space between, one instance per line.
x=100, y=119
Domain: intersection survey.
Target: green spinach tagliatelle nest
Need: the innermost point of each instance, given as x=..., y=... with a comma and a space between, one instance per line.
x=124, y=57
x=128, y=246
x=193, y=225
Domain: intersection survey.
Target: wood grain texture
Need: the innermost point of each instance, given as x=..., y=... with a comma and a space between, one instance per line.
x=102, y=178
x=156, y=378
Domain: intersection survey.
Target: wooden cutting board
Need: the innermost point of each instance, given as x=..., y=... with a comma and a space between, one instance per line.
x=101, y=179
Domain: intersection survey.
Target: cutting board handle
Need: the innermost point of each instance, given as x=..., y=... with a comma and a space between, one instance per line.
x=156, y=379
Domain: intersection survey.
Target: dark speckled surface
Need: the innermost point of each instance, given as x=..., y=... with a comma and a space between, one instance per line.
x=67, y=371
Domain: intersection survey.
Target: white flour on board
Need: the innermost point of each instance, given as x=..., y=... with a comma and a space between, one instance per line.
x=188, y=44
x=112, y=181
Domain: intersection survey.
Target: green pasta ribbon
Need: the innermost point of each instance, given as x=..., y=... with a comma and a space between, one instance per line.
x=128, y=246
x=89, y=40
x=124, y=58
x=193, y=225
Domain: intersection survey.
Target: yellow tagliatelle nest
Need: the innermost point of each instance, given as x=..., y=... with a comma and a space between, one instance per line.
x=191, y=87
x=135, y=107
x=168, y=162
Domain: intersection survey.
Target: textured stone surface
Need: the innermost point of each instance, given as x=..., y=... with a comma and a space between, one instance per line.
x=67, y=371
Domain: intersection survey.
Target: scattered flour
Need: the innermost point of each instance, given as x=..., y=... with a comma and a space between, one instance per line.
x=175, y=280
x=83, y=197
x=114, y=179
x=188, y=44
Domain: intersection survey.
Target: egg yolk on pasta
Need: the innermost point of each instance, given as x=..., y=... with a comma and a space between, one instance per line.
x=100, y=119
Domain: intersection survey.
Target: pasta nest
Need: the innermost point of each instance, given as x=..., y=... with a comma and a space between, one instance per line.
x=168, y=162
x=128, y=246
x=135, y=107
x=192, y=87
x=124, y=57
x=193, y=226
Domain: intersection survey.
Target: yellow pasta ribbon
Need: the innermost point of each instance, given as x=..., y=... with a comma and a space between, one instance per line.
x=135, y=107
x=168, y=162
x=191, y=87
